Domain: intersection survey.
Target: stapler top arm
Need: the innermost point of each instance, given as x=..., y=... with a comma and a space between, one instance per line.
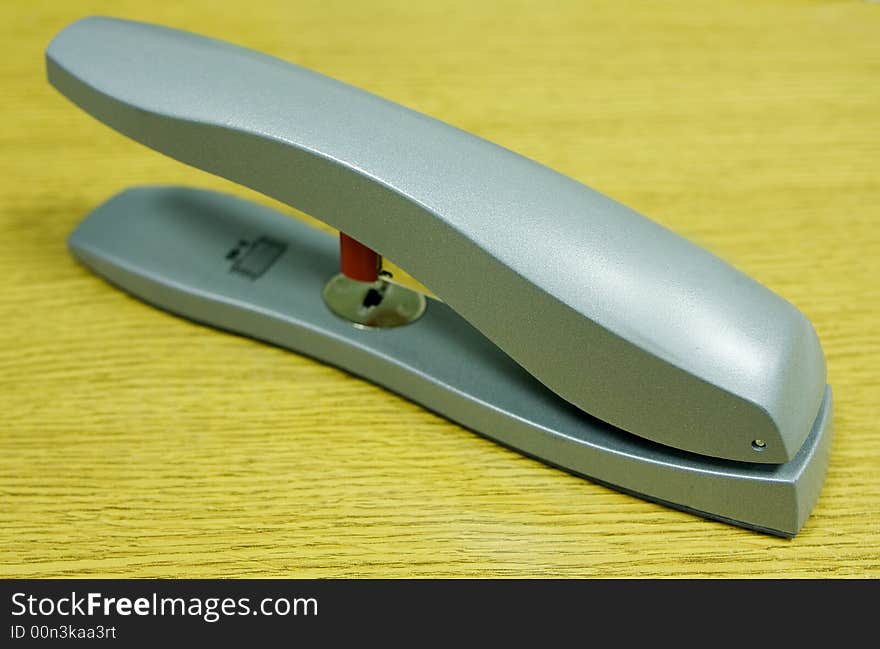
x=616, y=314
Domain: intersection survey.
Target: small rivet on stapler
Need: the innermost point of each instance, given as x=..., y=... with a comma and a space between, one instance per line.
x=759, y=444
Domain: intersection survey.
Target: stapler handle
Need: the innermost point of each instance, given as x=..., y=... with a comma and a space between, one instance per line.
x=611, y=311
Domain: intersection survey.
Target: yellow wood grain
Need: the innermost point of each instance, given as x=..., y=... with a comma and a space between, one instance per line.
x=138, y=444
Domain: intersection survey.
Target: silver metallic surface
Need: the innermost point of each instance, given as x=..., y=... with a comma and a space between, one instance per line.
x=380, y=304
x=171, y=247
x=608, y=309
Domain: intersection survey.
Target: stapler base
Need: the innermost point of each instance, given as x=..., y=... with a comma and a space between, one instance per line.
x=245, y=268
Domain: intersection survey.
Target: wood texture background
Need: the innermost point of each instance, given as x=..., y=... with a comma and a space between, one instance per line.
x=137, y=444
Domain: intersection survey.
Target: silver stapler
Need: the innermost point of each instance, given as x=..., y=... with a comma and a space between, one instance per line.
x=565, y=325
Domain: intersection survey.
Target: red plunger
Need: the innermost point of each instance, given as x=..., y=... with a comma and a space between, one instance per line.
x=357, y=260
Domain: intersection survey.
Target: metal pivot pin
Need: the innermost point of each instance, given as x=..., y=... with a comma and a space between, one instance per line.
x=363, y=293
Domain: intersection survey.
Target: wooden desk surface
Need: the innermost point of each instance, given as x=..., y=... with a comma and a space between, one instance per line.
x=137, y=444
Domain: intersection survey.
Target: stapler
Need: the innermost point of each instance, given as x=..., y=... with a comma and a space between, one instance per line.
x=562, y=323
